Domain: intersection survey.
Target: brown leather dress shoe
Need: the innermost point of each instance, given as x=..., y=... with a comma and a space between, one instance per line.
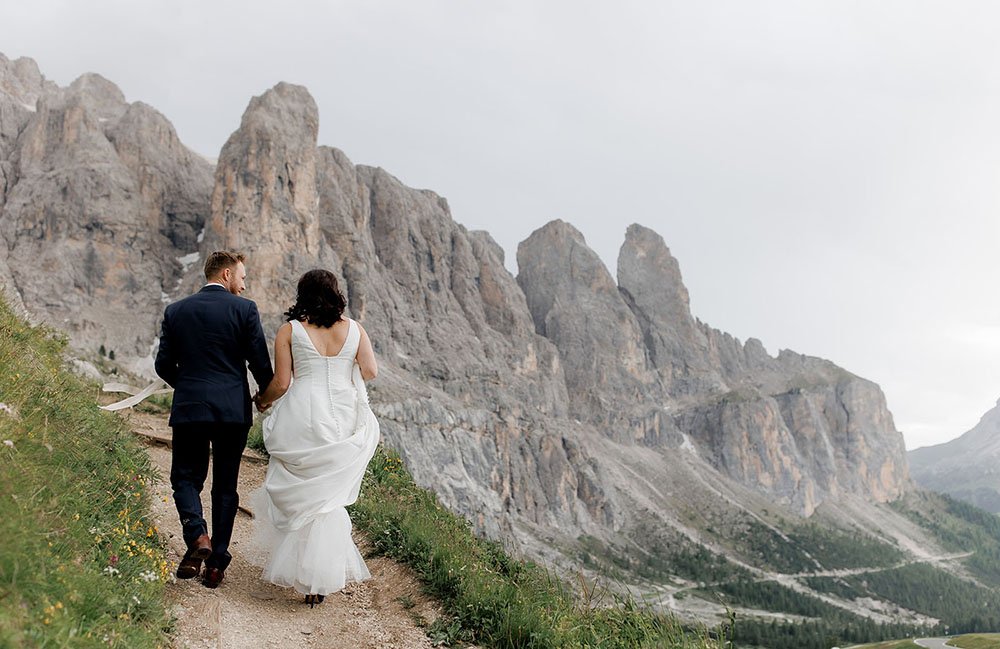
x=197, y=552
x=213, y=577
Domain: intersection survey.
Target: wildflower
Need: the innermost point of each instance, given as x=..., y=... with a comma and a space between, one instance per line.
x=7, y=442
x=5, y=408
x=112, y=571
x=114, y=558
x=136, y=599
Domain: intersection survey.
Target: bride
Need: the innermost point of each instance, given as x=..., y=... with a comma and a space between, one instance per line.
x=320, y=437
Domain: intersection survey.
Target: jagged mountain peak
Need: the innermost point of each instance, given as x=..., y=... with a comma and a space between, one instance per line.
x=285, y=104
x=95, y=193
x=22, y=80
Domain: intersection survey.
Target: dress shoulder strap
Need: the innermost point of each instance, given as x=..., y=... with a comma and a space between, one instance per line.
x=301, y=343
x=353, y=340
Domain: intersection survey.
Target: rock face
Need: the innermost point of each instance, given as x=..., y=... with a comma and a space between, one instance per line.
x=264, y=202
x=98, y=200
x=967, y=467
x=557, y=403
x=642, y=369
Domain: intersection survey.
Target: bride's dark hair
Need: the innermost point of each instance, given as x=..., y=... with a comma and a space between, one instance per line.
x=318, y=299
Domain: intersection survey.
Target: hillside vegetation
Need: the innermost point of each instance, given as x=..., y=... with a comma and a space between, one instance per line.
x=855, y=569
x=81, y=565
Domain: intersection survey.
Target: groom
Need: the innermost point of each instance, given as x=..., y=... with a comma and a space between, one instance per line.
x=206, y=342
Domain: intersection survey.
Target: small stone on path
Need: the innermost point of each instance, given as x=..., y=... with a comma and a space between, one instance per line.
x=262, y=594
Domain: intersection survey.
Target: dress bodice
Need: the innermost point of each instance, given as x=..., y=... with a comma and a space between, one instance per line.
x=333, y=371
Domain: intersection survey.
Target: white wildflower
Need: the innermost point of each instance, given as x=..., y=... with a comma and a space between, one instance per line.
x=5, y=408
x=148, y=575
x=7, y=442
x=111, y=570
x=136, y=599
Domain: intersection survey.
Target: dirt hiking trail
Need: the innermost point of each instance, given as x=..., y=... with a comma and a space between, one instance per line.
x=247, y=613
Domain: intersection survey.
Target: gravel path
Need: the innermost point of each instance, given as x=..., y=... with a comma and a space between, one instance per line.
x=245, y=612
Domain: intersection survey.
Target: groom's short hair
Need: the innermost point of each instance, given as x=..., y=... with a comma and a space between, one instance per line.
x=220, y=260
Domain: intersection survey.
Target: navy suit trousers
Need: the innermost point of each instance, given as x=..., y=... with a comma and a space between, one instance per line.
x=188, y=471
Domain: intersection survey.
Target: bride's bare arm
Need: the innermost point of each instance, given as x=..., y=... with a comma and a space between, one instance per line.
x=366, y=356
x=282, y=367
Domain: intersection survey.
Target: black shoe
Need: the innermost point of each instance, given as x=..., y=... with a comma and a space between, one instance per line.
x=313, y=600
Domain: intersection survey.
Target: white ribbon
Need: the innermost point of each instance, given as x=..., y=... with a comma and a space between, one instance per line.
x=136, y=397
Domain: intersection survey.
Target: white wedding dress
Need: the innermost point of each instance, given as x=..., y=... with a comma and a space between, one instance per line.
x=321, y=436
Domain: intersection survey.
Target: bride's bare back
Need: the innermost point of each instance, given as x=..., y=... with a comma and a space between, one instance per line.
x=328, y=341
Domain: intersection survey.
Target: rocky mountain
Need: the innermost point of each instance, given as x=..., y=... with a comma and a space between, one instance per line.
x=98, y=200
x=967, y=467
x=559, y=406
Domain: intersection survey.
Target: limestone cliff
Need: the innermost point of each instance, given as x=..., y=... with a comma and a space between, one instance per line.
x=98, y=200
x=641, y=368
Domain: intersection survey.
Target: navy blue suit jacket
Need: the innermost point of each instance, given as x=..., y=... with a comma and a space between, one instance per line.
x=206, y=342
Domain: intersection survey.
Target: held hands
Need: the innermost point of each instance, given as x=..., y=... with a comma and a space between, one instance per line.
x=261, y=406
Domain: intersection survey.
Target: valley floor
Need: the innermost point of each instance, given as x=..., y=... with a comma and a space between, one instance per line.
x=677, y=600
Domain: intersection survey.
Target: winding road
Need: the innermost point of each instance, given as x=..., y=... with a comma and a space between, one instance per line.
x=934, y=643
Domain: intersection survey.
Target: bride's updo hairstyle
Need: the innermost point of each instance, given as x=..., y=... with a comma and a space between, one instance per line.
x=318, y=300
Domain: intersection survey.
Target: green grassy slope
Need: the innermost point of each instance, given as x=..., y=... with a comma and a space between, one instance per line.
x=80, y=563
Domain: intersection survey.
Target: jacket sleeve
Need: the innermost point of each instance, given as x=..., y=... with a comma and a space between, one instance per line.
x=166, y=364
x=256, y=350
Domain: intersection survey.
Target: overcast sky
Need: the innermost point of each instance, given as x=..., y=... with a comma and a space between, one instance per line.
x=826, y=173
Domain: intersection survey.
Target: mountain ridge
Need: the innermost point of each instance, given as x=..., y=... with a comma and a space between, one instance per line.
x=965, y=467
